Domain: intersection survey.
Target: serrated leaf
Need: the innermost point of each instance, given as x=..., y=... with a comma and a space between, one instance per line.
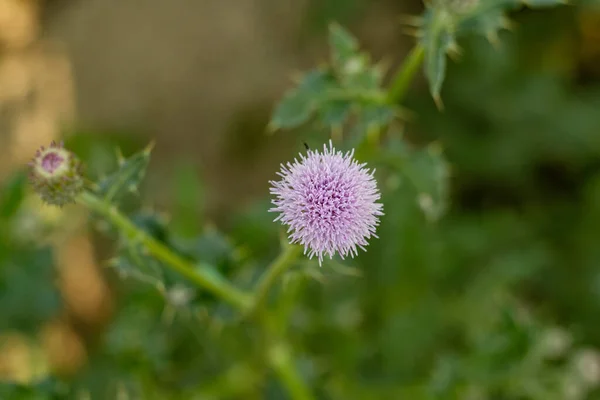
x=366, y=78
x=132, y=263
x=294, y=109
x=132, y=260
x=437, y=43
x=344, y=46
x=299, y=104
x=377, y=115
x=212, y=247
x=487, y=24
x=335, y=113
x=28, y=298
x=128, y=176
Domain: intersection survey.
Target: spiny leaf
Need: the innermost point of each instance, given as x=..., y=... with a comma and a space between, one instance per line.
x=132, y=260
x=335, y=113
x=377, y=115
x=299, y=104
x=28, y=297
x=344, y=46
x=128, y=176
x=437, y=44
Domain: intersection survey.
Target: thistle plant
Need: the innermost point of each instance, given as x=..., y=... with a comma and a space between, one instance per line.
x=330, y=202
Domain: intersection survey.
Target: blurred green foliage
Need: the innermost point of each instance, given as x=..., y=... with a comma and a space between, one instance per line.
x=483, y=284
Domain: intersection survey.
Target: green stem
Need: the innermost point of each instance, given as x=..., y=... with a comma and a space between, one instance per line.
x=274, y=271
x=202, y=277
x=405, y=74
x=280, y=356
x=282, y=362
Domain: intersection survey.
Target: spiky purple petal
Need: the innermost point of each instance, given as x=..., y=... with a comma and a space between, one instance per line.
x=328, y=201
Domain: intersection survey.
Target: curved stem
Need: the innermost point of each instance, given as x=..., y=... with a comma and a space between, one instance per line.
x=281, y=361
x=405, y=74
x=274, y=271
x=202, y=277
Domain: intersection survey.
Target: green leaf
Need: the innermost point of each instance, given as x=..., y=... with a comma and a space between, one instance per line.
x=344, y=46
x=335, y=113
x=437, y=43
x=47, y=389
x=128, y=176
x=28, y=296
x=372, y=116
x=132, y=261
x=362, y=76
x=212, y=247
x=299, y=104
x=488, y=24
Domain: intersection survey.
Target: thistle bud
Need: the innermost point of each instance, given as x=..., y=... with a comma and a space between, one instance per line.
x=56, y=175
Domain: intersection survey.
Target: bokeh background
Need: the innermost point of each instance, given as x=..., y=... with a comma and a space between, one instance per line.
x=499, y=299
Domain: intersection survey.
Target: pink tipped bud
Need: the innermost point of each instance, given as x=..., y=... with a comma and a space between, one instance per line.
x=56, y=175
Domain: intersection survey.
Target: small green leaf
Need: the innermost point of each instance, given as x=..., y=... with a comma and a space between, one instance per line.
x=212, y=247
x=28, y=296
x=437, y=44
x=488, y=24
x=132, y=263
x=344, y=46
x=367, y=77
x=128, y=176
x=132, y=260
x=377, y=115
x=299, y=104
x=335, y=113
x=295, y=109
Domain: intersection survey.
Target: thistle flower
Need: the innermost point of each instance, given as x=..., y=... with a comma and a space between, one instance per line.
x=56, y=175
x=328, y=201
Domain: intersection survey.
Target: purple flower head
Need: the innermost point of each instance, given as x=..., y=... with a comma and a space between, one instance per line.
x=328, y=201
x=55, y=174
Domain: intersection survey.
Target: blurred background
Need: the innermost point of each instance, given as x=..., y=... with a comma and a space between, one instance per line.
x=499, y=299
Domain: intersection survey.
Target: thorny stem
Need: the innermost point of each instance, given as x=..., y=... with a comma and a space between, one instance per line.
x=283, y=262
x=395, y=94
x=405, y=74
x=279, y=354
x=202, y=277
x=281, y=361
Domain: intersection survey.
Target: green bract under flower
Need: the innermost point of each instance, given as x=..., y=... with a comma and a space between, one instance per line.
x=56, y=175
